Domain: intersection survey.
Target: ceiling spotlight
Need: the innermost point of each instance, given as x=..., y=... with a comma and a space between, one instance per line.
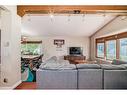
x=69, y=18
x=104, y=14
x=51, y=15
x=83, y=17
x=29, y=18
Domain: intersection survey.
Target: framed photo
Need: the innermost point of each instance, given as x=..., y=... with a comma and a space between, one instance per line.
x=59, y=42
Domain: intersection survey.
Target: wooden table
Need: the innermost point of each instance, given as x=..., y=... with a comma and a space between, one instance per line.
x=80, y=61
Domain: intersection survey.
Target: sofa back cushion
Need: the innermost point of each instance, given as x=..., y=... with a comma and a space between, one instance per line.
x=118, y=62
x=55, y=66
x=88, y=66
x=112, y=67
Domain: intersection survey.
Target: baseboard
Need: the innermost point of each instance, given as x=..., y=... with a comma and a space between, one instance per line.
x=12, y=87
x=16, y=84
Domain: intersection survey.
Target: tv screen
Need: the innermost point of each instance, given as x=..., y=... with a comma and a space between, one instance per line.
x=75, y=50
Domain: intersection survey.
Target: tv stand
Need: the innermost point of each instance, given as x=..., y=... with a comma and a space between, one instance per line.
x=75, y=59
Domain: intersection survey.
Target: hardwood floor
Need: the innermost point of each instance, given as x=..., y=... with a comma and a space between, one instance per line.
x=27, y=86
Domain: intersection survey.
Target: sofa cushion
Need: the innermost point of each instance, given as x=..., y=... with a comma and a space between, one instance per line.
x=57, y=66
x=90, y=78
x=51, y=60
x=61, y=79
x=125, y=65
x=54, y=64
x=118, y=62
x=112, y=67
x=61, y=61
x=88, y=66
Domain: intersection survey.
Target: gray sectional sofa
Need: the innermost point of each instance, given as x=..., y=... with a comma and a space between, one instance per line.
x=89, y=76
x=57, y=79
x=115, y=75
x=85, y=76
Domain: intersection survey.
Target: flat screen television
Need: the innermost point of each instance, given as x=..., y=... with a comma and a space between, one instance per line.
x=75, y=51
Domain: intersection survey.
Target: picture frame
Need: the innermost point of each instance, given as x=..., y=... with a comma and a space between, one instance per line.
x=59, y=42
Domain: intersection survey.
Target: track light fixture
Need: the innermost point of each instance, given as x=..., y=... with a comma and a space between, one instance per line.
x=29, y=18
x=69, y=17
x=104, y=14
x=51, y=14
x=77, y=11
x=83, y=17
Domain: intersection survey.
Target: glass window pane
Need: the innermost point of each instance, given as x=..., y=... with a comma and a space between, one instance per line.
x=31, y=49
x=100, y=49
x=111, y=49
x=123, y=49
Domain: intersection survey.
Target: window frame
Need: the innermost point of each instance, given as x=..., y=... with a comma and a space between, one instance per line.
x=97, y=52
x=106, y=49
x=119, y=47
x=116, y=37
x=31, y=42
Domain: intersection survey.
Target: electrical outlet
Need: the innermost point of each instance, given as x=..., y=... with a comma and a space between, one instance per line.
x=5, y=80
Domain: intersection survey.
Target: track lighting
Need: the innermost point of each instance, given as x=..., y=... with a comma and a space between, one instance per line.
x=69, y=18
x=104, y=14
x=29, y=18
x=83, y=17
x=51, y=17
x=77, y=11
x=51, y=14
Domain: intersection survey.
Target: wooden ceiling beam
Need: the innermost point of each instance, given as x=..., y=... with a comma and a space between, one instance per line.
x=61, y=9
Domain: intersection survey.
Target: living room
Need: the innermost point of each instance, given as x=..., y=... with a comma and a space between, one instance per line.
x=81, y=35
x=86, y=46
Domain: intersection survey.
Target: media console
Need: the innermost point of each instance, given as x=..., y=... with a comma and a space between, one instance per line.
x=74, y=59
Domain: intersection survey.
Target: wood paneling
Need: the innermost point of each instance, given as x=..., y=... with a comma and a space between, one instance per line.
x=122, y=35
x=100, y=40
x=112, y=37
x=73, y=58
x=69, y=9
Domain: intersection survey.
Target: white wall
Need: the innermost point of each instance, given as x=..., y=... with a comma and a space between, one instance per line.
x=116, y=26
x=10, y=47
x=50, y=49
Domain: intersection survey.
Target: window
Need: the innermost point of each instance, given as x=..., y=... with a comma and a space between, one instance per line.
x=123, y=49
x=100, y=50
x=31, y=48
x=111, y=49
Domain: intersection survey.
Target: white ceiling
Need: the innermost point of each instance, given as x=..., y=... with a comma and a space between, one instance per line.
x=38, y=25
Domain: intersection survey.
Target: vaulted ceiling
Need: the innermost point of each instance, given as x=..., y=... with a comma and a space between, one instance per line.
x=60, y=25
x=66, y=20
